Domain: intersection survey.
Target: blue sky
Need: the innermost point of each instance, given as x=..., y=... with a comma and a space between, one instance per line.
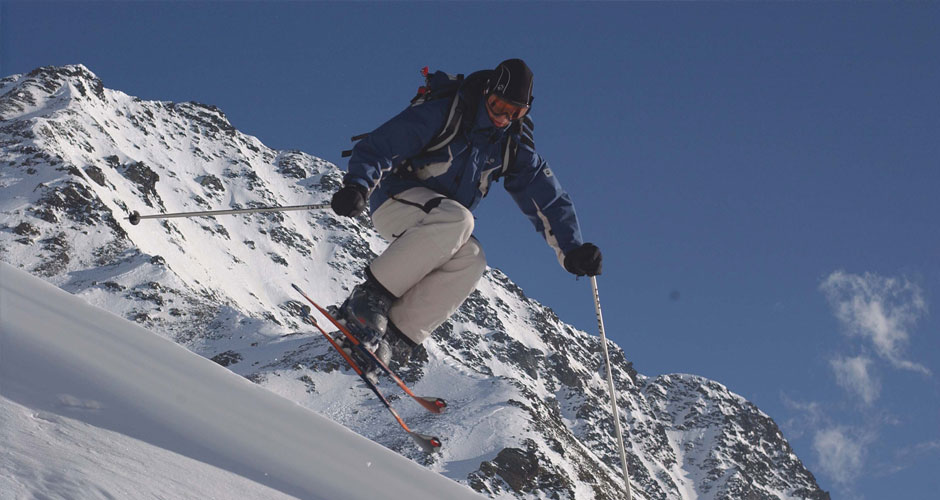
x=762, y=178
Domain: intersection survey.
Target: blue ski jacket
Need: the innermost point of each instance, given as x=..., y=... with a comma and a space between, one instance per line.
x=464, y=169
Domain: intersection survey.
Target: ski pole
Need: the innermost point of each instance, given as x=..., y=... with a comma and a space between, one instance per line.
x=135, y=216
x=610, y=386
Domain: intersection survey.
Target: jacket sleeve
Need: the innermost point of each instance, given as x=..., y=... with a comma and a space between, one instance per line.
x=402, y=137
x=538, y=193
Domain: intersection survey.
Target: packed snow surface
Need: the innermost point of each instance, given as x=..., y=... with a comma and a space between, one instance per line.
x=94, y=406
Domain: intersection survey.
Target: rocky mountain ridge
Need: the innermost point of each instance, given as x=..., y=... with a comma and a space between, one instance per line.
x=529, y=415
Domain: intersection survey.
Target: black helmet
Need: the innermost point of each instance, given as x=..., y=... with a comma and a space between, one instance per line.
x=512, y=81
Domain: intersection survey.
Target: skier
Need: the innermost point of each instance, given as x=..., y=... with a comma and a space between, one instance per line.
x=422, y=200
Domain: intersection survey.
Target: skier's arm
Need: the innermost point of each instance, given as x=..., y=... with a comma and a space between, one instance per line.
x=402, y=137
x=540, y=196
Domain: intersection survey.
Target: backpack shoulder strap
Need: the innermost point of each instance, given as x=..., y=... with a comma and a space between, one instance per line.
x=442, y=138
x=450, y=128
x=520, y=132
x=462, y=111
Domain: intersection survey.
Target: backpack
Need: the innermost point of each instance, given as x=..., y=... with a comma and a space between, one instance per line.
x=463, y=108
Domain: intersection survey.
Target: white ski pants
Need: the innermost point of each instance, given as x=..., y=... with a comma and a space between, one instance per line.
x=433, y=262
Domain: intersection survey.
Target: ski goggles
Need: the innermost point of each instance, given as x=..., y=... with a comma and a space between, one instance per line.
x=500, y=107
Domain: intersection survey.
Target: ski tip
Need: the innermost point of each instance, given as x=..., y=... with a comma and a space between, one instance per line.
x=296, y=287
x=430, y=444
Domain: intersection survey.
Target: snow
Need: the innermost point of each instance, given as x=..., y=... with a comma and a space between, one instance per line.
x=94, y=406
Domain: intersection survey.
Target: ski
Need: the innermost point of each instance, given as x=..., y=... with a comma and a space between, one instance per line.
x=430, y=444
x=434, y=405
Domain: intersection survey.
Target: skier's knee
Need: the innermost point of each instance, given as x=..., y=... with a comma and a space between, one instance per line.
x=475, y=251
x=465, y=219
x=461, y=220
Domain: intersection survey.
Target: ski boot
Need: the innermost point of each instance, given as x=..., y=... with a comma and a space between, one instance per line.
x=366, y=310
x=399, y=346
x=365, y=315
x=394, y=345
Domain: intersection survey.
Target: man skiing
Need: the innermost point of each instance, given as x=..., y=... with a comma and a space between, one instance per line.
x=422, y=197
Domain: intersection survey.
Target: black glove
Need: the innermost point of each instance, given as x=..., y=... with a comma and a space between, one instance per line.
x=349, y=201
x=584, y=260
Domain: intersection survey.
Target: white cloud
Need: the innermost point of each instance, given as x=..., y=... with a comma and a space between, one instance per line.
x=854, y=375
x=919, y=449
x=909, y=455
x=841, y=453
x=807, y=417
x=881, y=310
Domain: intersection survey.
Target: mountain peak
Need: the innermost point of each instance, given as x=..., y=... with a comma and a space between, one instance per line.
x=75, y=74
x=24, y=94
x=67, y=71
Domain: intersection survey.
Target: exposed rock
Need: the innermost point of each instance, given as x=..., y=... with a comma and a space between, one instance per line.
x=227, y=358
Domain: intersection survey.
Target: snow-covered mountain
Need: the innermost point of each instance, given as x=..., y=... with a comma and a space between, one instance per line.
x=528, y=411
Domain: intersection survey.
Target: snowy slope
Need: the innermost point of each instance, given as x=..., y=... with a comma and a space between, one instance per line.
x=529, y=414
x=94, y=405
